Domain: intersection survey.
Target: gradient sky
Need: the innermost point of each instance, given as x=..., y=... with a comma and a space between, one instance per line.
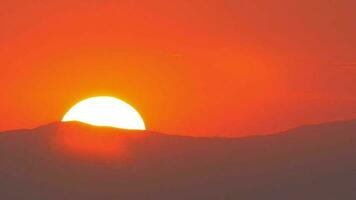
x=193, y=67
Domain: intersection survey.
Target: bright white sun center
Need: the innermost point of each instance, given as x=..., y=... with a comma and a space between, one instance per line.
x=105, y=111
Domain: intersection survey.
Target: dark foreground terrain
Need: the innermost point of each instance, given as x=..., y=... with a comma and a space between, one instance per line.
x=70, y=161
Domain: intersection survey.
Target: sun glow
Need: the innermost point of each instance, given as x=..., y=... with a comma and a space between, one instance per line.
x=106, y=111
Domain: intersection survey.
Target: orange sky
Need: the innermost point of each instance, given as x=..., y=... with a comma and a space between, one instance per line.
x=197, y=67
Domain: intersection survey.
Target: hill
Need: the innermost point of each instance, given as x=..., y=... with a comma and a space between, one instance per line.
x=75, y=161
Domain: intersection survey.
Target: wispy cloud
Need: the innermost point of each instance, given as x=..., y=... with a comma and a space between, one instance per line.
x=347, y=66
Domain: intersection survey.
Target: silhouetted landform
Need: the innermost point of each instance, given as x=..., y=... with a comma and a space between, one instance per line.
x=71, y=161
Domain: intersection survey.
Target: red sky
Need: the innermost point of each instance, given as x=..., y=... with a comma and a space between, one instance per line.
x=197, y=67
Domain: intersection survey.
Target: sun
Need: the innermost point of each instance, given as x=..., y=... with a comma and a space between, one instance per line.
x=106, y=111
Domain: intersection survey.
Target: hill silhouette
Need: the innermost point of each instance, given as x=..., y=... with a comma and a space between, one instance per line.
x=76, y=161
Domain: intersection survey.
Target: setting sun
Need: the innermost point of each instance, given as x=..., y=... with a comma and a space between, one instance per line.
x=105, y=111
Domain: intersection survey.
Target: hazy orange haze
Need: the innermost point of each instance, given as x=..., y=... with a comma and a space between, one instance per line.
x=222, y=67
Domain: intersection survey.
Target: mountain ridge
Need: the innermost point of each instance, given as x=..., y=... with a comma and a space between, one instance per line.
x=56, y=124
x=70, y=161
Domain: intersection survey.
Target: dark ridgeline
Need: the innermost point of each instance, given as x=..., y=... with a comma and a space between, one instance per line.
x=78, y=162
